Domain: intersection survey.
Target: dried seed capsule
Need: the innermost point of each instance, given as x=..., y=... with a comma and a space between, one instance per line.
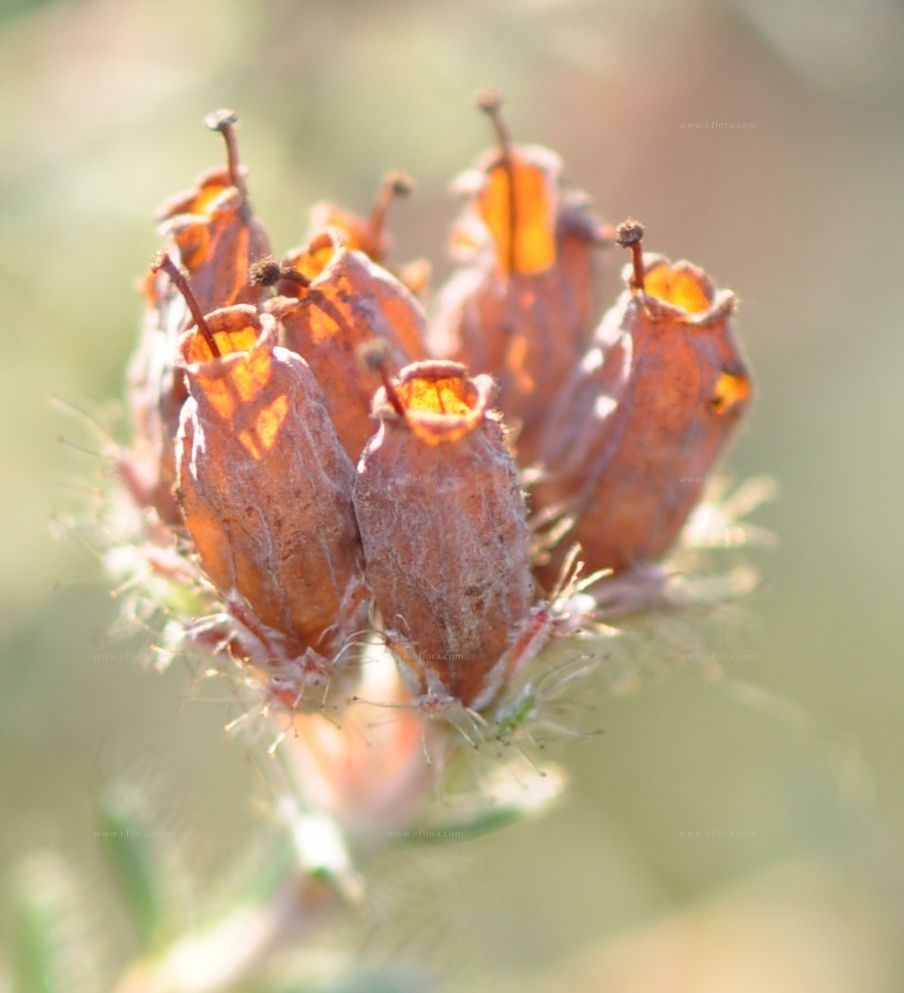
x=363, y=234
x=212, y=232
x=216, y=236
x=443, y=525
x=636, y=432
x=265, y=488
x=350, y=302
x=523, y=307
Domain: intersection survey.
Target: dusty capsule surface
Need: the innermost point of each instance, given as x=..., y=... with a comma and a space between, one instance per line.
x=266, y=488
x=636, y=432
x=349, y=302
x=443, y=525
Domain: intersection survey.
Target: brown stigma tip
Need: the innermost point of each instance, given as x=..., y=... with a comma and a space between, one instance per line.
x=629, y=234
x=265, y=272
x=163, y=262
x=399, y=183
x=373, y=354
x=489, y=101
x=221, y=120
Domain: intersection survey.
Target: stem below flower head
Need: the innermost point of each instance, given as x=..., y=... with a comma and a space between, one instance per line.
x=239, y=945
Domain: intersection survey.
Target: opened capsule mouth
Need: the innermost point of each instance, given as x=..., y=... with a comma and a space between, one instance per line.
x=440, y=402
x=213, y=191
x=683, y=289
x=326, y=216
x=238, y=385
x=242, y=369
x=315, y=257
x=680, y=285
x=438, y=393
x=233, y=329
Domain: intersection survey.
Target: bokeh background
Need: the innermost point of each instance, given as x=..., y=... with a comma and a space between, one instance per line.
x=727, y=834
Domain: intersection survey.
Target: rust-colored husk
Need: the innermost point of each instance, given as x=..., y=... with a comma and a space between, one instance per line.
x=637, y=430
x=443, y=525
x=266, y=488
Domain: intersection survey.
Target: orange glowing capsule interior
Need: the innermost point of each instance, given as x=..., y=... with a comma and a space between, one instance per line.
x=245, y=379
x=454, y=395
x=517, y=206
x=313, y=259
x=678, y=288
x=731, y=389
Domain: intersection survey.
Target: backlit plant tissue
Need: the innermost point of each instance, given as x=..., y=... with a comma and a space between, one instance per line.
x=411, y=526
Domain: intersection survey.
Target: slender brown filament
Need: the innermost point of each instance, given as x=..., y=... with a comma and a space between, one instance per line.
x=163, y=261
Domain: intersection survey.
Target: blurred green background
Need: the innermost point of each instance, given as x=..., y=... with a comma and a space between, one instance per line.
x=734, y=834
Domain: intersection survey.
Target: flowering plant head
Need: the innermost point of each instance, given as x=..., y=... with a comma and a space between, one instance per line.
x=341, y=482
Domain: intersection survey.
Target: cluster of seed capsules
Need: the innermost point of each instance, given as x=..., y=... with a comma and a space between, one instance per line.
x=335, y=467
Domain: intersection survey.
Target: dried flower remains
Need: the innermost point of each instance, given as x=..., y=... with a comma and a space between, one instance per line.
x=336, y=472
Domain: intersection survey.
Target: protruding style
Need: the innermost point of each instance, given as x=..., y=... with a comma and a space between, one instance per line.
x=629, y=234
x=522, y=306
